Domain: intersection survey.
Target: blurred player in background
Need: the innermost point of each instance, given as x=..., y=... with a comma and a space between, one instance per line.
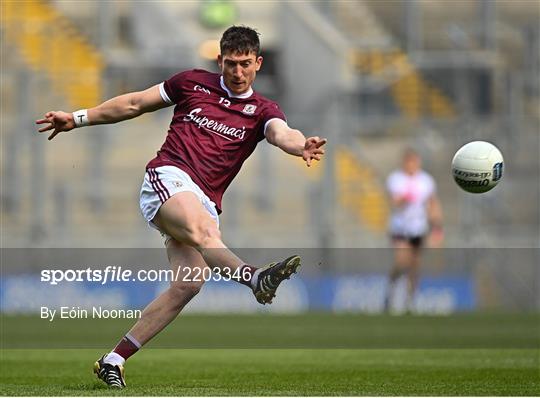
x=416, y=220
x=217, y=122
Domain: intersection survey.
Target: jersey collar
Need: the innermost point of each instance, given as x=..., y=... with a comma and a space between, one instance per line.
x=247, y=94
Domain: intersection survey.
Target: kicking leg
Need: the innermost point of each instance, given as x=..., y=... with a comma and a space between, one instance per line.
x=184, y=218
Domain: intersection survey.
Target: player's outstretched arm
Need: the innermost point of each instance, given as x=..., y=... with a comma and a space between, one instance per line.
x=115, y=110
x=293, y=142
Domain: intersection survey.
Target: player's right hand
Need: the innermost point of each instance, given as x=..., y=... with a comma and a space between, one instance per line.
x=436, y=237
x=57, y=121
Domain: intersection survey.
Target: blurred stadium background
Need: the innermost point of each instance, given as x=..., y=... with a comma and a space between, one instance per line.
x=373, y=76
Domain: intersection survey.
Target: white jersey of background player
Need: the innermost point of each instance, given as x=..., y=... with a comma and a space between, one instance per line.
x=416, y=213
x=411, y=218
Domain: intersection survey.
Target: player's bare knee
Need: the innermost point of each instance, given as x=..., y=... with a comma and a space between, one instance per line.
x=195, y=238
x=190, y=234
x=206, y=236
x=212, y=237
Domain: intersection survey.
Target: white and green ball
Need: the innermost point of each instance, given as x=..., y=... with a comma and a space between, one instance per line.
x=477, y=166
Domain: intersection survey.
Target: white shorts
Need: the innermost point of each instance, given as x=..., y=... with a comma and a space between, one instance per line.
x=163, y=182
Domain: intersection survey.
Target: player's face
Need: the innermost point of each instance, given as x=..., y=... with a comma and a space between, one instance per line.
x=411, y=164
x=239, y=70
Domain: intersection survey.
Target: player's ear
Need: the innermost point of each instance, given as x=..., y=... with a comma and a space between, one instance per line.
x=258, y=63
x=220, y=61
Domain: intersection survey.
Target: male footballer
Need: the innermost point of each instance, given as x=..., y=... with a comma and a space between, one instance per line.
x=217, y=122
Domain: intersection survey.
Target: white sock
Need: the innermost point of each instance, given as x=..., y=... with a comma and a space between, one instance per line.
x=112, y=358
x=254, y=278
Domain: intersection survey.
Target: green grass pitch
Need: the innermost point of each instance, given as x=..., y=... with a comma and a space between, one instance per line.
x=474, y=354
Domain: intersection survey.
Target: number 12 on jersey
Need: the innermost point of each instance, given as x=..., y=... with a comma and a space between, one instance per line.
x=224, y=101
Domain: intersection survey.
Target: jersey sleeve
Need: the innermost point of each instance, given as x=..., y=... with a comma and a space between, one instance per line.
x=172, y=88
x=272, y=111
x=391, y=184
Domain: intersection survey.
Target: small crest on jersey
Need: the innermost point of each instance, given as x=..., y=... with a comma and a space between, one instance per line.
x=249, y=109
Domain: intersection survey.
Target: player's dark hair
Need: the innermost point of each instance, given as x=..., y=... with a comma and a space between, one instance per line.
x=240, y=39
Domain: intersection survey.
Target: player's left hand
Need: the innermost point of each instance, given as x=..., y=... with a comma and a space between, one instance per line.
x=312, y=149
